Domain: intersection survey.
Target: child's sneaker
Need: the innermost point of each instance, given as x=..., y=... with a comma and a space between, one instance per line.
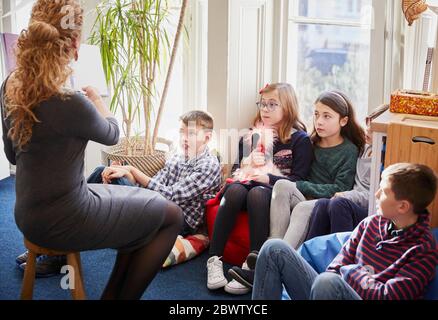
x=235, y=287
x=215, y=274
x=245, y=277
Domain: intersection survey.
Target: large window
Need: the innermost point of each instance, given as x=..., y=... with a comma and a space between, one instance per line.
x=16, y=14
x=329, y=45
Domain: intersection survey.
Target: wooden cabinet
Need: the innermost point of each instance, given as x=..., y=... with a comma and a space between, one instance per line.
x=415, y=143
x=409, y=138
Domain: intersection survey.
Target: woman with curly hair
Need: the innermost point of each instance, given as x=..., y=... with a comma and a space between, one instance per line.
x=46, y=129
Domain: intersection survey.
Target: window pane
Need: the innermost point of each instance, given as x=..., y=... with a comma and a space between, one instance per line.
x=22, y=17
x=6, y=6
x=323, y=57
x=331, y=9
x=174, y=102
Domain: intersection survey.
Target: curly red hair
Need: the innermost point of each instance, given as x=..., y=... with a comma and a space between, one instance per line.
x=44, y=52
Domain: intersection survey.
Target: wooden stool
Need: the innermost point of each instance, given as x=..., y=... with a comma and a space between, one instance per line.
x=73, y=259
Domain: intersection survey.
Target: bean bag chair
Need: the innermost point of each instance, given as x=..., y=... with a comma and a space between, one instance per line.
x=237, y=247
x=319, y=252
x=186, y=248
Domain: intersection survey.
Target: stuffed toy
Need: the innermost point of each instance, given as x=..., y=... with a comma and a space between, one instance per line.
x=262, y=139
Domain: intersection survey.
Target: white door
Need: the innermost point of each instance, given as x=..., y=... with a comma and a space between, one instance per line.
x=4, y=163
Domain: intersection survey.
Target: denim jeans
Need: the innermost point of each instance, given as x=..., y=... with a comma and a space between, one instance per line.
x=279, y=264
x=96, y=177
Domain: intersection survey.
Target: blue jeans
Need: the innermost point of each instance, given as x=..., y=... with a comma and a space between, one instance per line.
x=279, y=264
x=96, y=177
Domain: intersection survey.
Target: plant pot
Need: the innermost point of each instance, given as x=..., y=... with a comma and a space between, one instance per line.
x=148, y=164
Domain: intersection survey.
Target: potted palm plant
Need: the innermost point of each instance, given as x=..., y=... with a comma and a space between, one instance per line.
x=133, y=42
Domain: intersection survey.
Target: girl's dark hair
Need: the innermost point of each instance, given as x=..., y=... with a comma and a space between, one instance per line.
x=339, y=102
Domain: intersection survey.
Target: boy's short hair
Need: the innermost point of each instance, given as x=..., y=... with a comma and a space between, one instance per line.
x=415, y=183
x=201, y=118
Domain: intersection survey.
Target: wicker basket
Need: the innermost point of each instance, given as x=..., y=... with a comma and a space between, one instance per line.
x=149, y=164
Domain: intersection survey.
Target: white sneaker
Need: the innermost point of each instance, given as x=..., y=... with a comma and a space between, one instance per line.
x=215, y=274
x=234, y=287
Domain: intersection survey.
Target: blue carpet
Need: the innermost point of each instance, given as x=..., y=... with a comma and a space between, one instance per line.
x=182, y=282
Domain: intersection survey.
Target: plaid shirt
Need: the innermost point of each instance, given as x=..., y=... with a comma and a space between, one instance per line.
x=189, y=184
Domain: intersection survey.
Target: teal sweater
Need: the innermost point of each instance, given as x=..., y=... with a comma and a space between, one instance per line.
x=333, y=170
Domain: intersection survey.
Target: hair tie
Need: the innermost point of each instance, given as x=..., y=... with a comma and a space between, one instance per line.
x=261, y=90
x=343, y=99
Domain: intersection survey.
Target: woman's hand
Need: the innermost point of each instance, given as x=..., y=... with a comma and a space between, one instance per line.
x=92, y=93
x=98, y=102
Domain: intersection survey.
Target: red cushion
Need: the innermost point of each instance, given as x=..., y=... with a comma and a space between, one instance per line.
x=237, y=247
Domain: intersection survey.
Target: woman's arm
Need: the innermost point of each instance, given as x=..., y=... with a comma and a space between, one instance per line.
x=82, y=117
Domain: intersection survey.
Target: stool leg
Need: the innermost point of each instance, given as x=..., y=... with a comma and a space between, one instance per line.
x=74, y=260
x=29, y=277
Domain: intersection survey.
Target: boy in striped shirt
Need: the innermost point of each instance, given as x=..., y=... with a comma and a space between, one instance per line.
x=390, y=256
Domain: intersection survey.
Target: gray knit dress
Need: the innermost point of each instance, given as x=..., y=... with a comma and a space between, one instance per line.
x=55, y=207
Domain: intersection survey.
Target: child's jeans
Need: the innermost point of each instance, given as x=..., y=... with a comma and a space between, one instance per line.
x=279, y=264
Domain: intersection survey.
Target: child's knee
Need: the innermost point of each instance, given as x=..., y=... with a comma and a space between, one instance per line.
x=303, y=209
x=325, y=286
x=338, y=205
x=276, y=248
x=284, y=186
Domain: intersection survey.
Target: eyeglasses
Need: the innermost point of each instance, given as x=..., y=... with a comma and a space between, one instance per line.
x=270, y=106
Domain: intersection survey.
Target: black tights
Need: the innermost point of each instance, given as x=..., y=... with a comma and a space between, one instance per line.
x=134, y=271
x=256, y=201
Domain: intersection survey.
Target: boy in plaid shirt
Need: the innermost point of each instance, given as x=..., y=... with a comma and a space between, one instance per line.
x=189, y=179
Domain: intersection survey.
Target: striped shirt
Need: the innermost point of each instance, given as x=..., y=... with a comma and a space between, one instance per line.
x=189, y=184
x=380, y=264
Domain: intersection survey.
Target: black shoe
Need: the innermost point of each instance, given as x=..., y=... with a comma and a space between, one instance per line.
x=47, y=266
x=251, y=259
x=244, y=277
x=22, y=258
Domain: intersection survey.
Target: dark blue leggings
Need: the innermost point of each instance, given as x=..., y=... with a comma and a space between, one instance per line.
x=335, y=215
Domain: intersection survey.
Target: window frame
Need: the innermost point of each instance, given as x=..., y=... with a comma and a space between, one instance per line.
x=378, y=39
x=12, y=14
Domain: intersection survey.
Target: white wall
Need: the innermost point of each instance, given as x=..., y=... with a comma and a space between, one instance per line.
x=239, y=64
x=93, y=151
x=4, y=164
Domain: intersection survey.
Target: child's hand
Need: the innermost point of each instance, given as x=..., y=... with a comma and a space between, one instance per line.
x=338, y=195
x=258, y=158
x=118, y=173
x=113, y=173
x=262, y=178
